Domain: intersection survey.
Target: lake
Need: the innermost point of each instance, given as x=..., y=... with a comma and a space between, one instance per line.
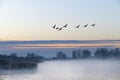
x=67, y=70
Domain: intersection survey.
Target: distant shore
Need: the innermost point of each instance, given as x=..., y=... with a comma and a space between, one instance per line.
x=12, y=61
x=31, y=60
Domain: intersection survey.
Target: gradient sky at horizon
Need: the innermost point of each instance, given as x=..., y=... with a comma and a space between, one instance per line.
x=32, y=19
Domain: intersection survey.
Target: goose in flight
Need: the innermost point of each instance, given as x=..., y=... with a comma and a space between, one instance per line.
x=57, y=28
x=60, y=29
x=85, y=25
x=77, y=26
x=65, y=25
x=93, y=25
x=54, y=26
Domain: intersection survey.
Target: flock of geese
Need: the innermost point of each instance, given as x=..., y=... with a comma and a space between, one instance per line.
x=66, y=25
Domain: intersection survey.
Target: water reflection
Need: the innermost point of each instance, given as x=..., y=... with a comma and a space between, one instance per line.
x=67, y=70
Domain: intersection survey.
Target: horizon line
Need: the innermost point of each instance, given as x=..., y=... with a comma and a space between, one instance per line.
x=64, y=40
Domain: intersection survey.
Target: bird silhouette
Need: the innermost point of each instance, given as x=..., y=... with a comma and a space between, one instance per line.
x=65, y=25
x=57, y=28
x=54, y=26
x=60, y=29
x=93, y=25
x=77, y=26
x=85, y=25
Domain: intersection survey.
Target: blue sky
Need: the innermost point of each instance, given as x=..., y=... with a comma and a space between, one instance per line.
x=32, y=19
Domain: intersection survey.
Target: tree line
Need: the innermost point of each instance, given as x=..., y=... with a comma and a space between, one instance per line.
x=13, y=61
x=100, y=53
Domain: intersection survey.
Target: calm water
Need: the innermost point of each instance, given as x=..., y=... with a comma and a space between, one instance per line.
x=67, y=70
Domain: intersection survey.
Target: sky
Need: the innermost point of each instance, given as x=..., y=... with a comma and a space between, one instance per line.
x=33, y=19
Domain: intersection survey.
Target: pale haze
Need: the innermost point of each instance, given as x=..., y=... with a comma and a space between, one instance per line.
x=28, y=34
x=32, y=19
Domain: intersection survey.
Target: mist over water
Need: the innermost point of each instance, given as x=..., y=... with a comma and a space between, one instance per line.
x=67, y=70
x=91, y=69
